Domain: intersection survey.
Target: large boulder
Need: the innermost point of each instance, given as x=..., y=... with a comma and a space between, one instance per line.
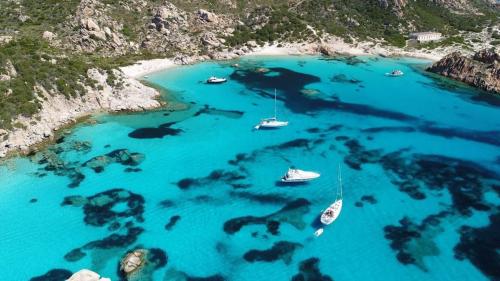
x=49, y=36
x=481, y=71
x=89, y=24
x=207, y=16
x=86, y=275
x=133, y=261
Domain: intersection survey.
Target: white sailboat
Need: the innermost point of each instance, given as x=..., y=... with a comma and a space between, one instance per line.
x=273, y=122
x=395, y=73
x=333, y=211
x=216, y=80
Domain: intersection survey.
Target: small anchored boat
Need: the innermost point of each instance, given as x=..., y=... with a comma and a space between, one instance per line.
x=318, y=232
x=273, y=122
x=296, y=175
x=216, y=80
x=333, y=211
x=395, y=73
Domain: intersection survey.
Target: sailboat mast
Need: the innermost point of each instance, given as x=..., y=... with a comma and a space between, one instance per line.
x=340, y=183
x=274, y=103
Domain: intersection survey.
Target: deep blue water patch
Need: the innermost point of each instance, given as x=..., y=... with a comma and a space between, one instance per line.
x=156, y=133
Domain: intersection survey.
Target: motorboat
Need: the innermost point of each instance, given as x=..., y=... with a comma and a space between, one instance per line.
x=395, y=73
x=333, y=211
x=216, y=80
x=318, y=232
x=273, y=122
x=296, y=175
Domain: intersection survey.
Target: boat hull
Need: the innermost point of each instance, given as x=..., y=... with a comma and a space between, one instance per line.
x=305, y=177
x=335, y=209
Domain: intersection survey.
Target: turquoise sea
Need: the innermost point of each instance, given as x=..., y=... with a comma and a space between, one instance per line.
x=198, y=187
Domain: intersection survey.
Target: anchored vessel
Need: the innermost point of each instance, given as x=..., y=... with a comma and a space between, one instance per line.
x=296, y=175
x=332, y=213
x=395, y=73
x=216, y=80
x=273, y=122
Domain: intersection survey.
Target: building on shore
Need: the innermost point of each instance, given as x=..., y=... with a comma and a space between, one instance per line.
x=425, y=36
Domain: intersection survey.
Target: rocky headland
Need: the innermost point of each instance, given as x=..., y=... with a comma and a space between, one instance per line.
x=482, y=70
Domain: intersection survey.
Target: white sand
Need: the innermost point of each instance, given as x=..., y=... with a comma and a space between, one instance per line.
x=144, y=67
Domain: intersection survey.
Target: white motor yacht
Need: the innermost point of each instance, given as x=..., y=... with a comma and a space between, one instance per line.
x=296, y=175
x=395, y=73
x=216, y=80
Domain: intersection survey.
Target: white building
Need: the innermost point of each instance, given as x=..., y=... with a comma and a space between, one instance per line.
x=425, y=36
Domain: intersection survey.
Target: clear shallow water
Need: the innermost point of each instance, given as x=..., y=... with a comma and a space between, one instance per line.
x=408, y=148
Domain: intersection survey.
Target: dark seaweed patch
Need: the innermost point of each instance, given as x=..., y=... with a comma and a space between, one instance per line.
x=404, y=129
x=174, y=274
x=132, y=170
x=155, y=133
x=342, y=78
x=369, y=199
x=33, y=200
x=282, y=250
x=53, y=275
x=291, y=213
x=231, y=178
x=214, y=111
x=74, y=255
x=309, y=271
x=171, y=223
x=273, y=198
x=481, y=246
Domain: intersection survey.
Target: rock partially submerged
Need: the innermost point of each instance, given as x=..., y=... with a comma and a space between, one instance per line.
x=133, y=261
x=87, y=275
x=481, y=71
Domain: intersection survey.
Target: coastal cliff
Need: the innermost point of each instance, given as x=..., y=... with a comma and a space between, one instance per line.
x=481, y=70
x=56, y=110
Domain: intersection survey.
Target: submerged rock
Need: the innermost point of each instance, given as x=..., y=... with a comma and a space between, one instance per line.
x=481, y=71
x=133, y=261
x=121, y=156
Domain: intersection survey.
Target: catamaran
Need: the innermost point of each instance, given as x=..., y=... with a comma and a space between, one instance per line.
x=273, y=122
x=395, y=73
x=333, y=211
x=216, y=80
x=296, y=175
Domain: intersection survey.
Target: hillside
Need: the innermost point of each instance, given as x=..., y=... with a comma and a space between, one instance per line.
x=47, y=48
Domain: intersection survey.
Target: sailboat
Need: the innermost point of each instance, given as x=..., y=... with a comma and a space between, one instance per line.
x=273, y=122
x=333, y=211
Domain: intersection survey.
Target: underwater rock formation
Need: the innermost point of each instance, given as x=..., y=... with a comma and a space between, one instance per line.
x=309, y=271
x=414, y=242
x=282, y=250
x=292, y=213
x=120, y=156
x=98, y=209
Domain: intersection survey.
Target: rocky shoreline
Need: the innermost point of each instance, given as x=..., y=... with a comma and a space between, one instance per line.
x=481, y=70
x=131, y=95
